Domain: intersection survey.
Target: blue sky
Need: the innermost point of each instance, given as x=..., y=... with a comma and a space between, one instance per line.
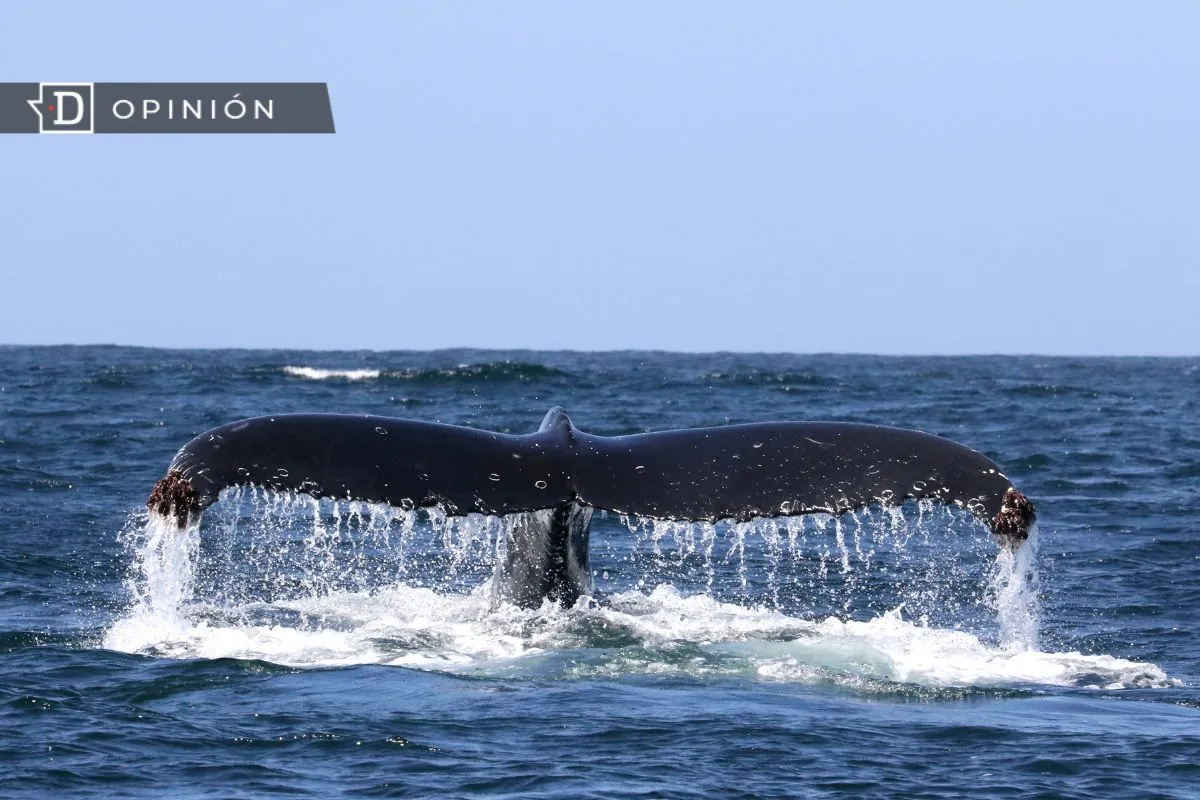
x=835, y=177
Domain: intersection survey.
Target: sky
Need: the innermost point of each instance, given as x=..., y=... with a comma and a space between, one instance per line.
x=899, y=178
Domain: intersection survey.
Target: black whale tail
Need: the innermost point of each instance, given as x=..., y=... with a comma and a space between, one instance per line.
x=554, y=478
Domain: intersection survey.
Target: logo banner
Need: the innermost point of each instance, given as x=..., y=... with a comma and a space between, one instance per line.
x=165, y=108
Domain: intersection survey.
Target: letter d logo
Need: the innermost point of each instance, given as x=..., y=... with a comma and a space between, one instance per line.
x=64, y=107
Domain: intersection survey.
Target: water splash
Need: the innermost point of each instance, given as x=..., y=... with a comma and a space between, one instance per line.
x=1013, y=592
x=303, y=582
x=162, y=575
x=932, y=560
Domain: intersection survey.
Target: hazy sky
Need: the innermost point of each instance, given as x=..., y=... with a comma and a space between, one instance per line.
x=793, y=176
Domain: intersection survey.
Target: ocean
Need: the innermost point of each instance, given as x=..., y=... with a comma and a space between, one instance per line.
x=296, y=648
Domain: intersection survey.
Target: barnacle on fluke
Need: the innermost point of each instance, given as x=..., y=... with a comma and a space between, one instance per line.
x=1015, y=516
x=174, y=497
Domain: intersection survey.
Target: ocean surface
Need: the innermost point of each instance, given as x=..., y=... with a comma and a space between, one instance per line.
x=298, y=648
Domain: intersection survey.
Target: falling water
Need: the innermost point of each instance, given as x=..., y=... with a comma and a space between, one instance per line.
x=933, y=561
x=162, y=577
x=939, y=566
x=1013, y=591
x=898, y=595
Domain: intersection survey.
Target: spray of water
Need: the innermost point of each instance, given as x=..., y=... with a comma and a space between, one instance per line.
x=1013, y=591
x=876, y=599
x=161, y=578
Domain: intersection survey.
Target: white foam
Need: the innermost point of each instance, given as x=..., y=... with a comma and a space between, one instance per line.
x=419, y=628
x=890, y=648
x=317, y=374
x=404, y=626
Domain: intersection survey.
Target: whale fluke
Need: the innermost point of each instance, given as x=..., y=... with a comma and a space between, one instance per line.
x=555, y=477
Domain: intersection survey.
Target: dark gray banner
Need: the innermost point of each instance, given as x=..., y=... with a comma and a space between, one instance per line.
x=165, y=108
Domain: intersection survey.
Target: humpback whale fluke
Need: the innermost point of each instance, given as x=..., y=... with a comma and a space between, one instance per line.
x=554, y=478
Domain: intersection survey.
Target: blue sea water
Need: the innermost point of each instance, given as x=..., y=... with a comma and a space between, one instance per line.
x=297, y=648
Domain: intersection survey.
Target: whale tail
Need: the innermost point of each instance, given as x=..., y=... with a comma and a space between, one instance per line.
x=554, y=478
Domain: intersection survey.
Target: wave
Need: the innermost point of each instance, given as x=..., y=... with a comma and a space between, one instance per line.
x=783, y=381
x=317, y=374
x=1038, y=390
x=496, y=370
x=762, y=377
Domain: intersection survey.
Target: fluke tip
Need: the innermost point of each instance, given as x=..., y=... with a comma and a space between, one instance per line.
x=174, y=497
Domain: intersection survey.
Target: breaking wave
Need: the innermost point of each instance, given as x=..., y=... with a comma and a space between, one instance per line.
x=317, y=374
x=496, y=370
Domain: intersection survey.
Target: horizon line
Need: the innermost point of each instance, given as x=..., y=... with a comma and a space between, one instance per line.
x=598, y=351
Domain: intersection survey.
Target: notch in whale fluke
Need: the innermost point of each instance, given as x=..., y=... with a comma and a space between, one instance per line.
x=736, y=472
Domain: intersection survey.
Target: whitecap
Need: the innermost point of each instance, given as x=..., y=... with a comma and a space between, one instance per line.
x=318, y=374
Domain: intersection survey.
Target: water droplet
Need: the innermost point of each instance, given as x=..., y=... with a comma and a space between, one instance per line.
x=494, y=477
x=540, y=484
x=757, y=445
x=381, y=431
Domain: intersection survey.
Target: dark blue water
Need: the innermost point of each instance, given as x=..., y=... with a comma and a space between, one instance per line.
x=314, y=649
